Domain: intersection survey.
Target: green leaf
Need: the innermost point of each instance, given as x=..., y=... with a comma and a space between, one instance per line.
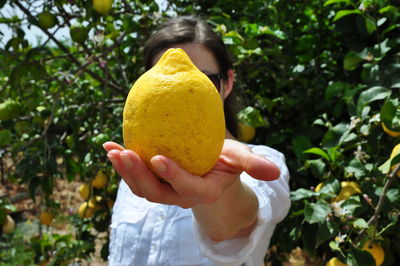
x=351, y=61
x=360, y=223
x=302, y=193
x=252, y=117
x=326, y=230
x=393, y=196
x=388, y=8
x=331, y=2
x=343, y=13
x=370, y=24
x=390, y=114
x=373, y=94
x=319, y=152
x=5, y=137
x=316, y=212
x=360, y=257
x=300, y=143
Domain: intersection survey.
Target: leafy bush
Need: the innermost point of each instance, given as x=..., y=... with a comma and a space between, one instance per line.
x=319, y=77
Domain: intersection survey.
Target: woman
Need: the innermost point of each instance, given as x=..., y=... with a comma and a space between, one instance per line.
x=226, y=217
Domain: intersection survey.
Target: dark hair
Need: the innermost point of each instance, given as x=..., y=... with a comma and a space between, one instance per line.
x=188, y=29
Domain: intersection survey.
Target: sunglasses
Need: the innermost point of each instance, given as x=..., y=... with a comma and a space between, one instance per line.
x=216, y=79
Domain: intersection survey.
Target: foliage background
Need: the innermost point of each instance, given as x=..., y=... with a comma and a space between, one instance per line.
x=319, y=78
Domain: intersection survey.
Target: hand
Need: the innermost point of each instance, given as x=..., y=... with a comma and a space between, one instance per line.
x=182, y=188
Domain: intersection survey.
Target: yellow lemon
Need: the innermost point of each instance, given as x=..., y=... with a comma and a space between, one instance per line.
x=348, y=189
x=395, y=151
x=390, y=132
x=84, y=191
x=335, y=262
x=100, y=180
x=86, y=210
x=102, y=6
x=245, y=133
x=46, y=218
x=376, y=251
x=319, y=186
x=175, y=110
x=8, y=225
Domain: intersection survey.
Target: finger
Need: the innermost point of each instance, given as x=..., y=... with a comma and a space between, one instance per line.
x=255, y=165
x=110, y=145
x=138, y=173
x=185, y=184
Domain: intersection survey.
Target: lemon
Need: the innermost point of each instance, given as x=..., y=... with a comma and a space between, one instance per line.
x=47, y=20
x=395, y=151
x=46, y=218
x=84, y=191
x=175, y=110
x=390, y=132
x=102, y=6
x=8, y=225
x=78, y=33
x=376, y=251
x=245, y=133
x=335, y=262
x=100, y=180
x=86, y=210
x=348, y=189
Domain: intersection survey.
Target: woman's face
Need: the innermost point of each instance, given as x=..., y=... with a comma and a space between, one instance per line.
x=203, y=60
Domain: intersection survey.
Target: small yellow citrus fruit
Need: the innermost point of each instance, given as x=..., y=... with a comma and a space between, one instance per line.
x=348, y=189
x=84, y=191
x=335, y=262
x=100, y=180
x=245, y=133
x=102, y=6
x=175, y=110
x=86, y=210
x=46, y=218
x=390, y=132
x=376, y=251
x=395, y=151
x=318, y=187
x=8, y=225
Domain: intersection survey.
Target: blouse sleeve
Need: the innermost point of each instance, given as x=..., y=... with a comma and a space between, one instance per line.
x=274, y=204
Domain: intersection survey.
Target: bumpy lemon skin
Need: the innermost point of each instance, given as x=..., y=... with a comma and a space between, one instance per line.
x=174, y=110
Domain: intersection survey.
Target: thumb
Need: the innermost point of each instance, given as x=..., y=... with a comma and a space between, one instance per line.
x=255, y=165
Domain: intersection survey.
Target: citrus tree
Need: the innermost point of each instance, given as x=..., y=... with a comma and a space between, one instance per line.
x=319, y=81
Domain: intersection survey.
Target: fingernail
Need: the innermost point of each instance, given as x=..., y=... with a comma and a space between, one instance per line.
x=126, y=160
x=158, y=164
x=112, y=159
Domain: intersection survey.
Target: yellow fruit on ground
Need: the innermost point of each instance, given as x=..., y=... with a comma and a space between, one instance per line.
x=395, y=151
x=84, y=191
x=102, y=6
x=335, y=262
x=175, y=110
x=245, y=133
x=390, y=132
x=318, y=187
x=348, y=189
x=86, y=210
x=46, y=218
x=8, y=225
x=376, y=251
x=100, y=180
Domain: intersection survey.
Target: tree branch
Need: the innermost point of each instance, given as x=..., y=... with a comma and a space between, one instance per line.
x=70, y=56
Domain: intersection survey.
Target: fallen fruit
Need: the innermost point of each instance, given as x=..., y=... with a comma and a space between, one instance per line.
x=175, y=110
x=46, y=218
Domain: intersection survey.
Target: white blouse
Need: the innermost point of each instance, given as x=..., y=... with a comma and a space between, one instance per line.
x=145, y=233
